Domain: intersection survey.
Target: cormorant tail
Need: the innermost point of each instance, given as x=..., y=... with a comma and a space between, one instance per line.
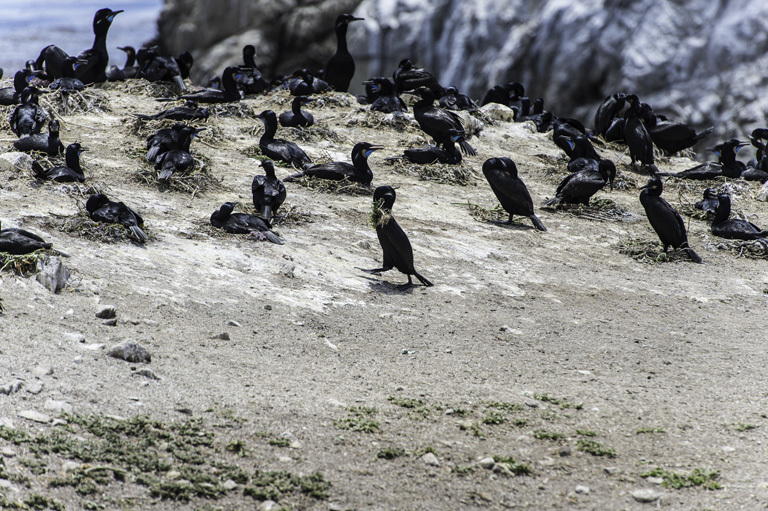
x=704, y=134
x=293, y=176
x=423, y=280
x=178, y=81
x=466, y=148
x=692, y=255
x=153, y=152
x=537, y=223
x=554, y=201
x=138, y=234
x=271, y=236
x=165, y=175
x=38, y=170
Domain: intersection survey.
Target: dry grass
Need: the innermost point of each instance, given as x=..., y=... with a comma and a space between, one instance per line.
x=599, y=208
x=483, y=214
x=314, y=133
x=649, y=252
x=194, y=182
x=25, y=264
x=460, y=175
x=62, y=103
x=82, y=226
x=141, y=87
x=343, y=186
x=740, y=248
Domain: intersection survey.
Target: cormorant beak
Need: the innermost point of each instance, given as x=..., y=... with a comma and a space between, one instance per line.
x=368, y=82
x=371, y=149
x=350, y=20
x=112, y=16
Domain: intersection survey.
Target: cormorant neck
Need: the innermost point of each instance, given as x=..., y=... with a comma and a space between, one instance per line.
x=722, y=212
x=270, y=128
x=341, y=37
x=360, y=162
x=73, y=159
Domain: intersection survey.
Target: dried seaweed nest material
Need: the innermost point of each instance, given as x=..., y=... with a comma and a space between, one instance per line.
x=67, y=103
x=751, y=249
x=234, y=109
x=140, y=86
x=698, y=214
x=461, y=174
x=143, y=128
x=83, y=227
x=25, y=264
x=343, y=186
x=195, y=181
x=287, y=215
x=650, y=252
x=379, y=217
x=599, y=208
x=314, y=133
x=367, y=118
x=483, y=214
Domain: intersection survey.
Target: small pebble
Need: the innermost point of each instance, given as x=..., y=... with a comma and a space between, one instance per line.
x=584, y=490
x=267, y=505
x=8, y=452
x=69, y=466
x=229, y=485
x=223, y=336
x=35, y=416
x=77, y=360
x=147, y=373
x=564, y=451
x=12, y=387
x=6, y=485
x=284, y=459
x=430, y=459
x=655, y=480
x=232, y=322
x=130, y=351
x=487, y=463
x=172, y=474
x=43, y=370
x=611, y=470
x=107, y=312
x=74, y=337
x=58, y=407
x=296, y=445
x=96, y=346
x=646, y=495
x=110, y=322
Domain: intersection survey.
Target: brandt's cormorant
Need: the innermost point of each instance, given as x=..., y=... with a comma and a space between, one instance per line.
x=12, y=95
x=341, y=67
x=49, y=144
x=129, y=70
x=242, y=223
x=29, y=117
x=179, y=159
x=445, y=153
x=408, y=78
x=608, y=110
x=19, y=241
x=256, y=82
x=635, y=133
x=455, y=100
x=64, y=174
x=727, y=166
x=667, y=222
x=279, y=149
x=358, y=171
x=68, y=82
x=163, y=140
x=305, y=84
x=164, y=68
x=436, y=122
x=708, y=204
x=386, y=99
x=512, y=193
x=734, y=228
x=503, y=94
x=101, y=209
x=229, y=94
x=671, y=137
x=579, y=187
x=296, y=117
x=268, y=192
x=398, y=252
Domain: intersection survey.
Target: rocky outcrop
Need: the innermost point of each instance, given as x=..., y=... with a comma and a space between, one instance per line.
x=697, y=60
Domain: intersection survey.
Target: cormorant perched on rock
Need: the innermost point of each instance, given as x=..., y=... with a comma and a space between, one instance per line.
x=455, y=100
x=268, y=192
x=163, y=140
x=68, y=82
x=727, y=166
x=504, y=94
x=296, y=117
x=341, y=67
x=635, y=133
x=408, y=78
x=276, y=148
x=579, y=187
x=242, y=223
x=571, y=136
x=101, y=209
x=29, y=117
x=608, y=110
x=664, y=219
x=129, y=70
x=71, y=172
x=445, y=153
x=358, y=171
x=256, y=82
x=671, y=137
x=93, y=62
x=12, y=95
x=305, y=84
x=49, y=144
x=230, y=93
x=398, y=252
x=512, y=193
x=15, y=241
x=179, y=159
x=436, y=122
x=734, y=228
x=708, y=204
x=386, y=99
x=189, y=111
x=163, y=68
x=760, y=161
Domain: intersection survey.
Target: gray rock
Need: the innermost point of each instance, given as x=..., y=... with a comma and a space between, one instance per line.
x=646, y=495
x=35, y=388
x=11, y=387
x=430, y=459
x=74, y=337
x=58, y=407
x=130, y=351
x=584, y=490
x=229, y=485
x=35, y=416
x=77, y=360
x=223, y=336
x=8, y=452
x=42, y=370
x=110, y=322
x=15, y=161
x=267, y=505
x=6, y=485
x=611, y=470
x=107, y=312
x=487, y=463
x=762, y=194
x=52, y=273
x=234, y=323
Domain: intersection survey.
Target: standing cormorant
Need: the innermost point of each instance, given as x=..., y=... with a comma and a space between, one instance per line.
x=397, y=250
x=340, y=69
x=408, y=78
x=279, y=149
x=512, y=193
x=667, y=222
x=268, y=192
x=503, y=94
x=635, y=133
x=358, y=171
x=436, y=122
x=608, y=110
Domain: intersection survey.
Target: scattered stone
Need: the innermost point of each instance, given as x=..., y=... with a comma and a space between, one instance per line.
x=546, y=461
x=94, y=346
x=267, y=307
x=147, y=373
x=331, y=345
x=288, y=270
x=8, y=452
x=364, y=244
x=151, y=322
x=35, y=388
x=232, y=322
x=12, y=387
x=532, y=403
x=32, y=415
x=655, y=480
x=762, y=194
x=430, y=459
x=229, y=485
x=6, y=423
x=110, y=322
x=52, y=273
x=564, y=451
x=77, y=360
x=74, y=337
x=465, y=424
x=58, y=406
x=611, y=470
x=296, y=445
x=584, y=372
x=43, y=370
x=335, y=507
x=107, y=312
x=59, y=422
x=487, y=463
x=223, y=336
x=69, y=466
x=584, y=490
x=6, y=485
x=284, y=459
x=172, y=475
x=130, y=351
x=646, y=495
x=14, y=161
x=498, y=112
x=267, y=505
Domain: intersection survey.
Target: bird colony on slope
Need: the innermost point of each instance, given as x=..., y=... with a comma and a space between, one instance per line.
x=621, y=118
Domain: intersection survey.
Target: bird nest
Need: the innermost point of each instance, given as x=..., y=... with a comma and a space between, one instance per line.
x=24, y=264
x=82, y=226
x=67, y=103
x=751, y=249
x=599, y=208
x=139, y=86
x=287, y=214
x=234, y=109
x=332, y=99
x=343, y=186
x=460, y=175
x=689, y=210
x=483, y=214
x=367, y=118
x=649, y=252
x=314, y=133
x=379, y=217
x=195, y=181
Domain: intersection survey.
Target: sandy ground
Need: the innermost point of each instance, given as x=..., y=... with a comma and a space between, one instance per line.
x=528, y=344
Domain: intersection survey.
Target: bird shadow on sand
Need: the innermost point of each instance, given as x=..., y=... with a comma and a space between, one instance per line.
x=389, y=288
x=514, y=225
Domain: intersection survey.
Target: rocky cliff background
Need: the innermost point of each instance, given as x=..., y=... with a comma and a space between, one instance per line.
x=702, y=61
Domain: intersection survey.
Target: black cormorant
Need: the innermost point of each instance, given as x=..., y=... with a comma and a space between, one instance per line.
x=608, y=110
x=71, y=172
x=667, y=222
x=179, y=159
x=12, y=95
x=358, y=171
x=436, y=122
x=242, y=223
x=671, y=136
x=579, y=187
x=163, y=140
x=408, y=78
x=29, y=117
x=386, y=99
x=512, y=193
x=187, y=112
x=256, y=82
x=735, y=228
x=296, y=117
x=101, y=209
x=279, y=149
x=19, y=241
x=446, y=152
x=636, y=134
x=727, y=165
x=230, y=93
x=49, y=144
x=398, y=252
x=708, y=204
x=341, y=67
x=268, y=192
x=503, y=94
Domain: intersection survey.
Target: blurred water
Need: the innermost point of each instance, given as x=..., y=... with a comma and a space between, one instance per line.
x=27, y=26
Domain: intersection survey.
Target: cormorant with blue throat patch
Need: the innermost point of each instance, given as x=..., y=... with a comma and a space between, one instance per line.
x=667, y=222
x=358, y=171
x=341, y=67
x=12, y=95
x=511, y=191
x=279, y=149
x=735, y=228
x=397, y=250
x=386, y=99
x=436, y=122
